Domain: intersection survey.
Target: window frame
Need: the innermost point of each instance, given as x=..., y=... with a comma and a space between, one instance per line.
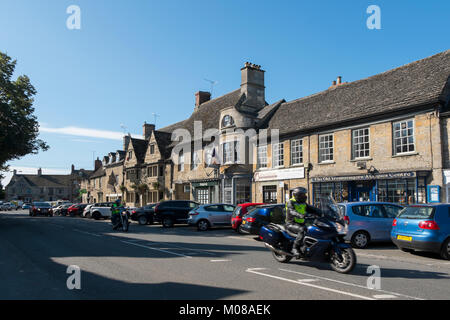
x=260, y=164
x=278, y=161
x=300, y=152
x=354, y=157
x=329, y=154
x=394, y=138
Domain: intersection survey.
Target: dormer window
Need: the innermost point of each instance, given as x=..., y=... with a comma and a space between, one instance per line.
x=130, y=155
x=227, y=121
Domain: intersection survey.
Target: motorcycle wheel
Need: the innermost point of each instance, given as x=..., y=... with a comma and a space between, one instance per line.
x=125, y=226
x=281, y=257
x=345, y=262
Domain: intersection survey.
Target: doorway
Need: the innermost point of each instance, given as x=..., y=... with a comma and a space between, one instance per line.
x=362, y=191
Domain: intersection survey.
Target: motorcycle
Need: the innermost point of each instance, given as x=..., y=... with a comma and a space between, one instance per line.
x=323, y=241
x=122, y=222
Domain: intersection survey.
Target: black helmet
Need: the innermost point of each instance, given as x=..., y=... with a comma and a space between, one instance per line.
x=299, y=191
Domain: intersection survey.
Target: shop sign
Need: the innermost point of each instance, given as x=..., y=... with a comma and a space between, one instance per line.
x=446, y=176
x=204, y=184
x=378, y=176
x=283, y=174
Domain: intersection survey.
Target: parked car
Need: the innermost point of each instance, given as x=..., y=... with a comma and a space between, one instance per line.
x=210, y=215
x=173, y=211
x=240, y=211
x=26, y=206
x=261, y=216
x=62, y=210
x=41, y=208
x=101, y=210
x=76, y=209
x=8, y=206
x=423, y=228
x=368, y=221
x=143, y=215
x=87, y=211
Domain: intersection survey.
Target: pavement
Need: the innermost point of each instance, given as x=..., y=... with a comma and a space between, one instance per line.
x=150, y=262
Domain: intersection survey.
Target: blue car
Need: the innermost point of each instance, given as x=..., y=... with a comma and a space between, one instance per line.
x=368, y=221
x=423, y=228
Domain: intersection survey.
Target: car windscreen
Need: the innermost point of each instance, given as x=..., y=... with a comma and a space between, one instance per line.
x=237, y=211
x=41, y=204
x=419, y=212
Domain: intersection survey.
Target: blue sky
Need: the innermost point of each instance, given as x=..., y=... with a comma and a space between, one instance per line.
x=135, y=58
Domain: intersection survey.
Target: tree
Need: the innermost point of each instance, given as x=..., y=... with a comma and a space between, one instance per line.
x=19, y=128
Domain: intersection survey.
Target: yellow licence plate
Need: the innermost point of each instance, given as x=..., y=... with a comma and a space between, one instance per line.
x=243, y=222
x=404, y=238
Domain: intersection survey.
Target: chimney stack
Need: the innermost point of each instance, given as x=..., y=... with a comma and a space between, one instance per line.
x=252, y=85
x=39, y=172
x=126, y=142
x=14, y=172
x=97, y=164
x=148, y=129
x=201, y=97
x=339, y=80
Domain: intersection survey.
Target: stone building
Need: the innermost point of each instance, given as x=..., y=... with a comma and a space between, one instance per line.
x=43, y=187
x=383, y=138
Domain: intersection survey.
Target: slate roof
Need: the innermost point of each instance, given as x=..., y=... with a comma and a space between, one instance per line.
x=208, y=113
x=140, y=147
x=417, y=83
x=100, y=172
x=46, y=180
x=163, y=140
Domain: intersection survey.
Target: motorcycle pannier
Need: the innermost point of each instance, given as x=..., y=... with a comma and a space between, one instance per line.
x=270, y=234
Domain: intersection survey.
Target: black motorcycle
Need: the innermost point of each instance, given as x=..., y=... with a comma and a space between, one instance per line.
x=323, y=241
x=122, y=220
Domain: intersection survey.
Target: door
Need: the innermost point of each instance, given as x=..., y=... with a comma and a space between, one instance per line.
x=216, y=214
x=362, y=191
x=228, y=209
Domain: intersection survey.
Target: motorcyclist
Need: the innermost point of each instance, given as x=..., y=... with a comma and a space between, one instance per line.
x=296, y=209
x=115, y=213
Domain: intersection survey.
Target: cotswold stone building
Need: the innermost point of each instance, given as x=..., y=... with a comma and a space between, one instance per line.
x=381, y=138
x=43, y=187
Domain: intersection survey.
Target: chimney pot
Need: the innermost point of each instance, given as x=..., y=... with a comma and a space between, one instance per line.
x=339, y=80
x=39, y=172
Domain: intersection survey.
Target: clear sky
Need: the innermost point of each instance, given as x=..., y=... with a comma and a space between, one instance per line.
x=132, y=59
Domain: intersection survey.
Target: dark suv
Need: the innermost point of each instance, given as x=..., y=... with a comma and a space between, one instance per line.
x=173, y=211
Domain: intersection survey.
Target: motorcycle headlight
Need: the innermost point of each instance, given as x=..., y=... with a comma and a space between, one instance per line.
x=340, y=228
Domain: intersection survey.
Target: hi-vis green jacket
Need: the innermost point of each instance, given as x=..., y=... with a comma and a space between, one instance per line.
x=295, y=211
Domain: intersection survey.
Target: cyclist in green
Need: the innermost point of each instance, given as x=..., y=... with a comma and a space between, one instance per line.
x=115, y=212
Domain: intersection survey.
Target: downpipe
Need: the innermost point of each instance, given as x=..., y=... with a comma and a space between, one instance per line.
x=278, y=251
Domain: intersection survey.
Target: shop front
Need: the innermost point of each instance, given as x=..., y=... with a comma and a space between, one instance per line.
x=206, y=191
x=236, y=189
x=396, y=187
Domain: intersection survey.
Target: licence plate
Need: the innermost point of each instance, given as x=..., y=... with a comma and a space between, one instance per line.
x=244, y=222
x=404, y=238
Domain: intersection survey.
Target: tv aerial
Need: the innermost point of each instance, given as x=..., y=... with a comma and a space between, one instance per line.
x=213, y=83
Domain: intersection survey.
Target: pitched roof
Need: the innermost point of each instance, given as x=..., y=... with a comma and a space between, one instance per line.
x=139, y=147
x=208, y=113
x=100, y=172
x=420, y=82
x=47, y=180
x=163, y=140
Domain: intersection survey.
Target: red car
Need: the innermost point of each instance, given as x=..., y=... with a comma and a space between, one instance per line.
x=76, y=209
x=240, y=211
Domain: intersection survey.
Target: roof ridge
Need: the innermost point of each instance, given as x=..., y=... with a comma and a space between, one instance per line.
x=346, y=84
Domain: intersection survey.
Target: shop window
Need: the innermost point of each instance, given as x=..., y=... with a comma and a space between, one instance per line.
x=403, y=136
x=202, y=195
x=242, y=191
x=360, y=143
x=296, y=151
x=326, y=148
x=278, y=155
x=262, y=157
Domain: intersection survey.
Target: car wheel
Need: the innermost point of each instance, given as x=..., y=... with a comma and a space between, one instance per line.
x=203, y=225
x=239, y=230
x=142, y=220
x=360, y=239
x=445, y=252
x=96, y=215
x=167, y=223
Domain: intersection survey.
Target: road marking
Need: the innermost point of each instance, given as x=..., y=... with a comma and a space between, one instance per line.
x=308, y=280
x=156, y=249
x=89, y=233
x=311, y=285
x=385, y=296
x=220, y=260
x=242, y=238
x=350, y=284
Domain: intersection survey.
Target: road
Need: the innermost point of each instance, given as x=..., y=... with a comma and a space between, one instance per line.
x=150, y=262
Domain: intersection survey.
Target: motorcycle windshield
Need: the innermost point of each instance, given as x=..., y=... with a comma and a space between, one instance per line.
x=330, y=209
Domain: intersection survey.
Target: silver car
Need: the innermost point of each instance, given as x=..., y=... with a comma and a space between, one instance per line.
x=368, y=221
x=206, y=216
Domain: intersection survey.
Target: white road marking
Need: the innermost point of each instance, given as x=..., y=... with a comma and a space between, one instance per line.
x=89, y=233
x=308, y=280
x=385, y=296
x=311, y=285
x=242, y=238
x=220, y=260
x=350, y=284
x=156, y=249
